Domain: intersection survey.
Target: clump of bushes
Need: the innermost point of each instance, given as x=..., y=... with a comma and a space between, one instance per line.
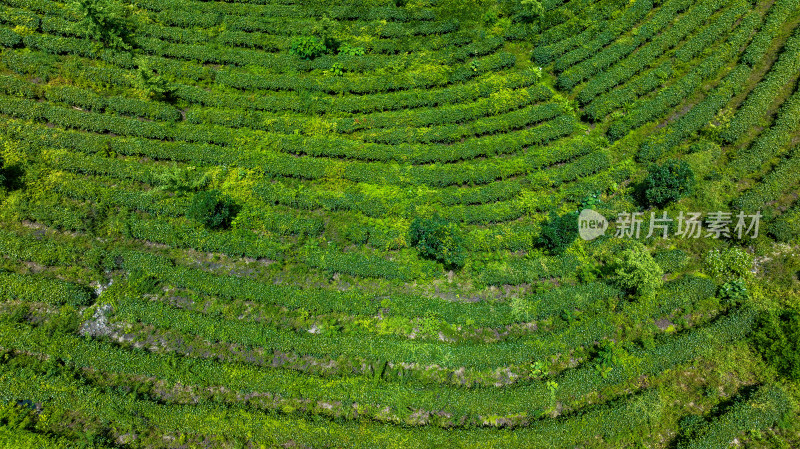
x=321, y=41
x=156, y=87
x=733, y=292
x=439, y=239
x=559, y=232
x=108, y=21
x=730, y=269
x=732, y=263
x=307, y=47
x=667, y=183
x=212, y=209
x=525, y=11
x=636, y=272
x=776, y=336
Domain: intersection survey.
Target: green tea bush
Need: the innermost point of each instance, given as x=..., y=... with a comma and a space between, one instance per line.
x=671, y=261
x=566, y=36
x=732, y=263
x=41, y=289
x=307, y=47
x=151, y=82
x=646, y=55
x=559, y=231
x=697, y=118
x=776, y=17
x=346, y=49
x=780, y=74
x=212, y=209
x=776, y=336
x=781, y=180
x=733, y=292
x=436, y=238
x=596, y=42
x=668, y=182
x=765, y=407
x=105, y=20
x=636, y=272
x=649, y=109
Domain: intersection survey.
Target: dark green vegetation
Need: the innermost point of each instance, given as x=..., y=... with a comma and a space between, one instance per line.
x=211, y=208
x=667, y=183
x=280, y=223
x=777, y=338
x=438, y=239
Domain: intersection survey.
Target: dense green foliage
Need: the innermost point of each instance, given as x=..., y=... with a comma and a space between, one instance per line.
x=107, y=21
x=436, y=238
x=559, y=231
x=308, y=47
x=155, y=86
x=729, y=264
x=668, y=182
x=776, y=336
x=637, y=272
x=211, y=208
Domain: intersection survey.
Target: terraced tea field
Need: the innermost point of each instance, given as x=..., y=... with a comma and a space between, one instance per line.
x=289, y=223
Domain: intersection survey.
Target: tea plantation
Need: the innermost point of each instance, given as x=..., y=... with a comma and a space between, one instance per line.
x=331, y=224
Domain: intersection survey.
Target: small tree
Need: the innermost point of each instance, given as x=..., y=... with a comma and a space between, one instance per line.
x=211, y=208
x=667, y=183
x=108, y=21
x=151, y=82
x=307, y=47
x=636, y=272
x=436, y=238
x=559, y=232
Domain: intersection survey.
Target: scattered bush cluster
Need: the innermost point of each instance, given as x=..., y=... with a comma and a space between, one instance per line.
x=436, y=238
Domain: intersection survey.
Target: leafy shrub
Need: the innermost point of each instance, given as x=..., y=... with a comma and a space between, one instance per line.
x=141, y=283
x=211, y=208
x=671, y=261
x=559, y=231
x=668, y=182
x=733, y=292
x=733, y=263
x=777, y=337
x=67, y=321
x=105, y=20
x=346, y=49
x=152, y=83
x=307, y=47
x=337, y=69
x=610, y=355
x=636, y=272
x=528, y=11
x=783, y=271
x=438, y=239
